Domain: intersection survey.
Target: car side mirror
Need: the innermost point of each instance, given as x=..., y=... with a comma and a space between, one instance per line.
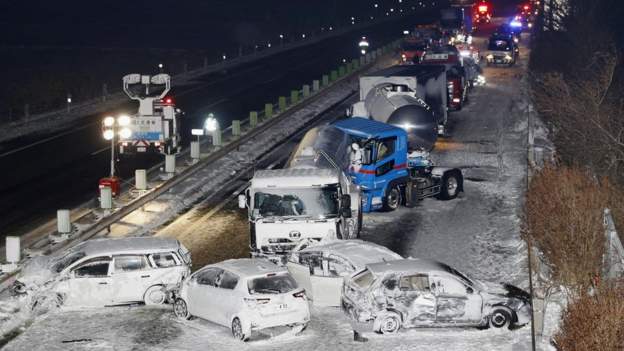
x=242, y=201
x=469, y=290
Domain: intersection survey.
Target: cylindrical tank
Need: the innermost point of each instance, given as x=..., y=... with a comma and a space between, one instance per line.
x=389, y=105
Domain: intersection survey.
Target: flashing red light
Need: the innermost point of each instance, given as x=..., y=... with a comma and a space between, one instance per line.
x=526, y=7
x=483, y=8
x=168, y=101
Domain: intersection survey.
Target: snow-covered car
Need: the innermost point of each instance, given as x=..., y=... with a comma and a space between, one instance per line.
x=321, y=267
x=246, y=295
x=407, y=293
x=103, y=272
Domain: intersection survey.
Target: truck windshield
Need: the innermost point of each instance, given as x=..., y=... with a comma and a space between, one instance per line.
x=316, y=202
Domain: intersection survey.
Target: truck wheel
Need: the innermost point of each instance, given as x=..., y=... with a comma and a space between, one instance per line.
x=392, y=201
x=451, y=183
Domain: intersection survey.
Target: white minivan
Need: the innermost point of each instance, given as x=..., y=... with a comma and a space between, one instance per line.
x=105, y=272
x=246, y=295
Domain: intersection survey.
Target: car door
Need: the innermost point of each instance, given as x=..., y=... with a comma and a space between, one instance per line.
x=166, y=268
x=327, y=282
x=384, y=160
x=131, y=278
x=228, y=296
x=201, y=294
x=90, y=283
x=456, y=303
x=415, y=300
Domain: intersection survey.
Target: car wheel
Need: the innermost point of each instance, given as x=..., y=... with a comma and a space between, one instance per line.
x=180, y=309
x=451, y=183
x=500, y=318
x=388, y=323
x=155, y=295
x=237, y=330
x=392, y=201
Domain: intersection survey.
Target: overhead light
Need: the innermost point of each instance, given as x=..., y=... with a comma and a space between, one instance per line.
x=123, y=120
x=108, y=134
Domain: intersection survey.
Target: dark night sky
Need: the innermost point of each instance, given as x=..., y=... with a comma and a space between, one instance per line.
x=159, y=23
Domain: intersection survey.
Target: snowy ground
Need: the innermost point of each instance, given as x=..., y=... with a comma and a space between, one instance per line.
x=477, y=233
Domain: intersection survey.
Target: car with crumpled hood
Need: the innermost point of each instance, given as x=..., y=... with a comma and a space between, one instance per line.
x=385, y=297
x=321, y=267
x=103, y=272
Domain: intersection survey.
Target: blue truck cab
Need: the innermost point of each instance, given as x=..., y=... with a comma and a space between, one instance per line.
x=387, y=176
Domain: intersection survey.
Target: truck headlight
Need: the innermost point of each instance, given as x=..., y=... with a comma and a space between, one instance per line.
x=507, y=57
x=490, y=57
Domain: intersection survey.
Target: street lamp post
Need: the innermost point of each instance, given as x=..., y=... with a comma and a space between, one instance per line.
x=111, y=127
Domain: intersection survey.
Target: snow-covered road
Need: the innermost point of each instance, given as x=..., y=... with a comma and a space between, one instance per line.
x=478, y=233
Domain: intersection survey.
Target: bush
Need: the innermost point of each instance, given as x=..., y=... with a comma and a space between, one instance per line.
x=594, y=322
x=564, y=218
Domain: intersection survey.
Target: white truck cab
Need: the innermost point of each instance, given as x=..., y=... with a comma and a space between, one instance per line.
x=286, y=206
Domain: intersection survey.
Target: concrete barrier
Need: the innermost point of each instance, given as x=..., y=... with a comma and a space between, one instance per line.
x=325, y=80
x=294, y=97
x=253, y=119
x=236, y=128
x=268, y=110
x=306, y=91
x=281, y=103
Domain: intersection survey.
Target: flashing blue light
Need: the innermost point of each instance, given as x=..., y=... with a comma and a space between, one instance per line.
x=515, y=24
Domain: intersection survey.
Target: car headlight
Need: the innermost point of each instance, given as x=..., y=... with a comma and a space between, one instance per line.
x=507, y=57
x=490, y=57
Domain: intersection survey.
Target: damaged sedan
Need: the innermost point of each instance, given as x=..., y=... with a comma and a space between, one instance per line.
x=321, y=267
x=388, y=296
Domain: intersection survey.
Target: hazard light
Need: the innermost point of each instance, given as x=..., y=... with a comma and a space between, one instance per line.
x=168, y=100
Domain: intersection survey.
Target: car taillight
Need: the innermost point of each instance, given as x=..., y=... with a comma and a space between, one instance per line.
x=300, y=294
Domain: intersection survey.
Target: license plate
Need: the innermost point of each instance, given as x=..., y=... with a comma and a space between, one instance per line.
x=498, y=61
x=282, y=306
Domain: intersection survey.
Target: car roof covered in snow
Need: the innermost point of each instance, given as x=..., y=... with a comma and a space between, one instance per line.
x=358, y=252
x=413, y=265
x=368, y=128
x=249, y=267
x=294, y=178
x=126, y=245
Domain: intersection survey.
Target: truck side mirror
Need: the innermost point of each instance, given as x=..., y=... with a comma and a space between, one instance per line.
x=242, y=201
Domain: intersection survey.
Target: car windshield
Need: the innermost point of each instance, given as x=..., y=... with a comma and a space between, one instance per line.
x=316, y=202
x=363, y=279
x=499, y=45
x=67, y=260
x=272, y=284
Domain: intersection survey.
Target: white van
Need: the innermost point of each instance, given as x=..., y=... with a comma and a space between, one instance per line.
x=105, y=272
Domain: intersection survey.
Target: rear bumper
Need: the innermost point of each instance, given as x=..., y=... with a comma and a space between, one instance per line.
x=296, y=317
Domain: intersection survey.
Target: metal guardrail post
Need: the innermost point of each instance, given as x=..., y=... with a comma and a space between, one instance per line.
x=253, y=119
x=306, y=91
x=294, y=97
x=333, y=76
x=342, y=71
x=325, y=80
x=281, y=103
x=268, y=110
